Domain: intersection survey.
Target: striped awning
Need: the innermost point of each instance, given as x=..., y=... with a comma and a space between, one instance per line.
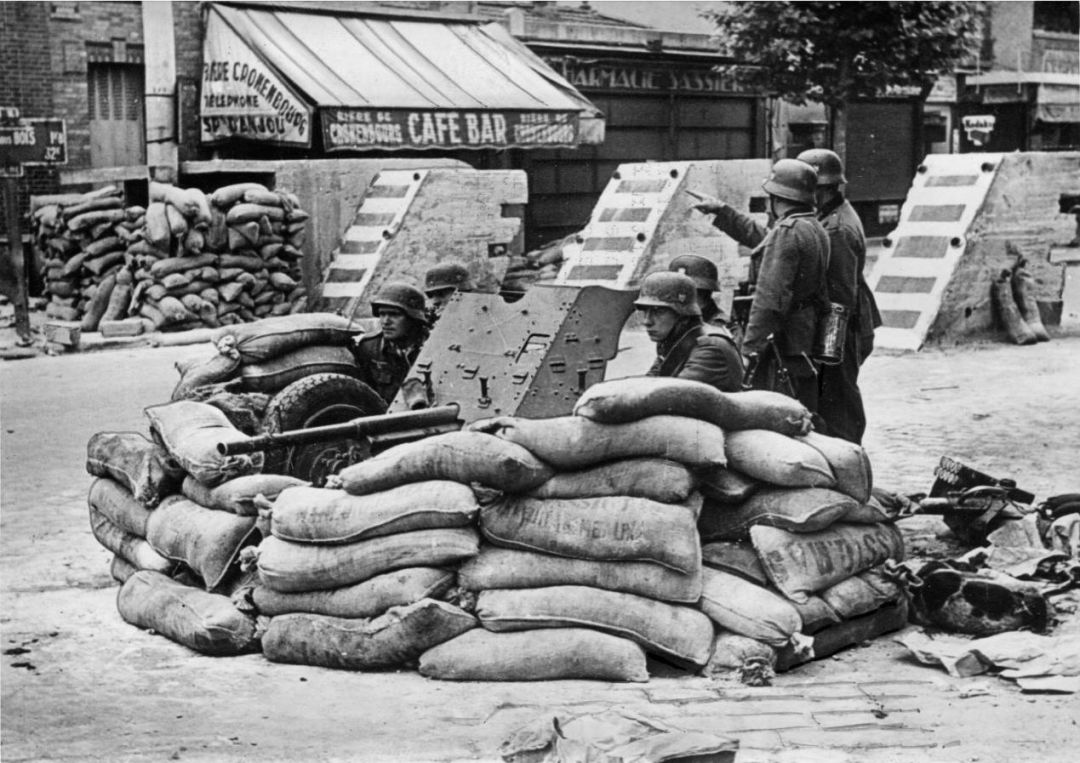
x=348, y=82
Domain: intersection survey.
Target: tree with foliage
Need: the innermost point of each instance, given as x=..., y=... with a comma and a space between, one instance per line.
x=833, y=53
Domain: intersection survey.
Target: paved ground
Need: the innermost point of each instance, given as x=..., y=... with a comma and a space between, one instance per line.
x=79, y=684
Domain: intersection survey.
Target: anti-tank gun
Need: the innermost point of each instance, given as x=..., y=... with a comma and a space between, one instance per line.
x=484, y=357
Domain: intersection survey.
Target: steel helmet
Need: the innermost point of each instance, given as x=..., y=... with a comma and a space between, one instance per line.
x=671, y=290
x=447, y=275
x=793, y=180
x=830, y=170
x=405, y=297
x=701, y=271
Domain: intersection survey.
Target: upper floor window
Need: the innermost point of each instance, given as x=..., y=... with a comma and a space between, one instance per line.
x=1057, y=17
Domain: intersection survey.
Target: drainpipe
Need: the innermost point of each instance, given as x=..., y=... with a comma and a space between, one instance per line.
x=162, y=150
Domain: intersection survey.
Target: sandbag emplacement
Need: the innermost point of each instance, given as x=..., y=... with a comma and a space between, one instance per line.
x=654, y=478
x=277, y=373
x=748, y=609
x=272, y=337
x=799, y=509
x=208, y=541
x=205, y=622
x=848, y=462
x=778, y=460
x=734, y=652
x=736, y=557
x=221, y=366
x=803, y=563
x=722, y=484
x=128, y=546
x=622, y=400
x=397, y=637
x=862, y=593
x=458, y=456
x=319, y=515
x=289, y=567
x=538, y=655
x=681, y=633
x=238, y=495
x=191, y=432
x=143, y=467
x=367, y=599
x=113, y=501
x=573, y=442
x=602, y=529
x=497, y=567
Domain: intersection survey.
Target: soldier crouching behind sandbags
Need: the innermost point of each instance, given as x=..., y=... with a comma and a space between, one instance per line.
x=385, y=356
x=686, y=347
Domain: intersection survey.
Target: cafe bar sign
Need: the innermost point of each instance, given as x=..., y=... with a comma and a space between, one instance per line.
x=356, y=129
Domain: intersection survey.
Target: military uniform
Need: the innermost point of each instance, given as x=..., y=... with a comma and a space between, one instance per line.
x=699, y=352
x=788, y=271
x=383, y=364
x=841, y=403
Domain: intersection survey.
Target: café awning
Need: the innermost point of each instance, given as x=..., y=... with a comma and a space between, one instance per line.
x=374, y=82
x=1057, y=98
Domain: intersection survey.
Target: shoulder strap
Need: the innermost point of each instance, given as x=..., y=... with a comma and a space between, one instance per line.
x=680, y=350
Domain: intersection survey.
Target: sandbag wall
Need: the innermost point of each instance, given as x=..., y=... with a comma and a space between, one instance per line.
x=187, y=260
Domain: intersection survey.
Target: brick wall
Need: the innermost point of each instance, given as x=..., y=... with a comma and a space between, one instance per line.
x=188, y=28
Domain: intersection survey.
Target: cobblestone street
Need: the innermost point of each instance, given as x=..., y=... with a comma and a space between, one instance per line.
x=79, y=684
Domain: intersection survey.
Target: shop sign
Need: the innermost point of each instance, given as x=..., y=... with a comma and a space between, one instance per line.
x=351, y=129
x=979, y=127
x=241, y=97
x=627, y=77
x=33, y=141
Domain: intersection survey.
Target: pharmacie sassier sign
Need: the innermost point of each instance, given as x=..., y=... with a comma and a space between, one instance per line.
x=358, y=129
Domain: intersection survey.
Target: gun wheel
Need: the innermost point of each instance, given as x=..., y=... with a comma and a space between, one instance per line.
x=315, y=401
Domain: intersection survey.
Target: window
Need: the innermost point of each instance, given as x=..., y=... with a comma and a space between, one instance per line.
x=115, y=99
x=1057, y=17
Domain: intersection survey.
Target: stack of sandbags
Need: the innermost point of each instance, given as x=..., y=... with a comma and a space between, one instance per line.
x=269, y=354
x=587, y=572
x=175, y=540
x=84, y=240
x=351, y=574
x=791, y=535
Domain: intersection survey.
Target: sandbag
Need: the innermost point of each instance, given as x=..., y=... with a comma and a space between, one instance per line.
x=238, y=495
x=128, y=546
x=803, y=563
x=288, y=567
x=815, y=614
x=206, y=540
x=748, y=609
x=799, y=509
x=622, y=400
x=736, y=557
x=573, y=442
x=141, y=466
x=458, y=456
x=320, y=515
x=205, y=622
x=777, y=459
x=191, y=432
x=120, y=569
x=654, y=478
x=602, y=529
x=734, y=652
x=367, y=599
x=277, y=373
x=722, y=484
x=99, y=303
x=673, y=631
x=221, y=366
x=537, y=655
x=861, y=593
x=397, y=637
x=116, y=503
x=848, y=462
x=273, y=337
x=869, y=513
x=496, y=567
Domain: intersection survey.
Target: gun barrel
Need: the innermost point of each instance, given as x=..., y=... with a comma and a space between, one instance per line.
x=436, y=419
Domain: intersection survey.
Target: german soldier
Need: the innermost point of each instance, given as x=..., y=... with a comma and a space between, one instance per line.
x=385, y=356
x=686, y=348
x=841, y=402
x=706, y=280
x=441, y=282
x=787, y=273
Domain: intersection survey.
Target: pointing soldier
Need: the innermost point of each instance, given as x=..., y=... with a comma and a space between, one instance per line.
x=686, y=347
x=385, y=356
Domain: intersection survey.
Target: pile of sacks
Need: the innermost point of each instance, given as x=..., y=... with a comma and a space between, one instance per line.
x=659, y=520
x=188, y=260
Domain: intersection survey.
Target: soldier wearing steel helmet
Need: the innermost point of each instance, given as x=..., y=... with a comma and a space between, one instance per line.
x=787, y=271
x=385, y=356
x=841, y=404
x=706, y=280
x=441, y=282
x=686, y=348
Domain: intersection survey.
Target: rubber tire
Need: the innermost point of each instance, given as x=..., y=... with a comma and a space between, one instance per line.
x=315, y=400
